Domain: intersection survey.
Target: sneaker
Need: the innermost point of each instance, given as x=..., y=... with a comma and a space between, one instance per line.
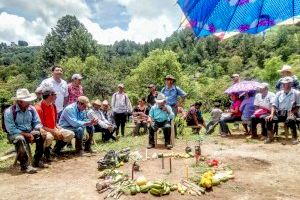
x=169, y=146
x=224, y=134
x=40, y=164
x=295, y=142
x=268, y=141
x=150, y=146
x=29, y=170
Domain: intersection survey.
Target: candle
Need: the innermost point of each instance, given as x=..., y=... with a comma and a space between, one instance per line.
x=187, y=172
x=162, y=162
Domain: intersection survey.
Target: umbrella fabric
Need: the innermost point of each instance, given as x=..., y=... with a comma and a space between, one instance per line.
x=207, y=17
x=243, y=86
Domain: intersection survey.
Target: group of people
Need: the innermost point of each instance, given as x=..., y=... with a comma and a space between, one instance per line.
x=61, y=112
x=265, y=107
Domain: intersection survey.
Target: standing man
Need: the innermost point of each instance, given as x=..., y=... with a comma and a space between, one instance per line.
x=121, y=107
x=285, y=108
x=235, y=78
x=74, y=118
x=172, y=92
x=75, y=89
x=60, y=87
x=152, y=95
x=47, y=112
x=160, y=116
x=23, y=127
x=263, y=105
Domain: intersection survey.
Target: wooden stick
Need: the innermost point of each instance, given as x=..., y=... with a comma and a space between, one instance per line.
x=162, y=162
x=170, y=165
x=132, y=170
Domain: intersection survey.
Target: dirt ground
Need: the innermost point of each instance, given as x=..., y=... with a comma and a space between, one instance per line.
x=261, y=172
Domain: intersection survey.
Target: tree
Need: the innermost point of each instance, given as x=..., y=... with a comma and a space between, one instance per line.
x=154, y=69
x=68, y=38
x=22, y=43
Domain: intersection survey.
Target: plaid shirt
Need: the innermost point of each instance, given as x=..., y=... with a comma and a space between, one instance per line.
x=287, y=101
x=74, y=92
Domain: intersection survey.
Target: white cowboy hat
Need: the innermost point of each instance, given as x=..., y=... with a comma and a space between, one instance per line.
x=287, y=79
x=24, y=95
x=160, y=98
x=285, y=68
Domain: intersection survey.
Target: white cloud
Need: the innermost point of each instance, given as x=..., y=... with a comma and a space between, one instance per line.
x=139, y=30
x=150, y=19
x=14, y=28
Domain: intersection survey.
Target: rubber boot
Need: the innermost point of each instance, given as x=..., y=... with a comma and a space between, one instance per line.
x=78, y=147
x=270, y=137
x=87, y=145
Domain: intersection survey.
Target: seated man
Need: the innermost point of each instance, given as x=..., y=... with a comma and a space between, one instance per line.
x=74, y=118
x=160, y=116
x=23, y=127
x=103, y=125
x=195, y=118
x=140, y=116
x=285, y=108
x=107, y=113
x=48, y=116
x=263, y=104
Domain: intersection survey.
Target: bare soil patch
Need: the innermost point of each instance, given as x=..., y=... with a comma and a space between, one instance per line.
x=261, y=172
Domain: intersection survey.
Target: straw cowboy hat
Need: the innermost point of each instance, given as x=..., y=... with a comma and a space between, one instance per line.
x=84, y=100
x=24, y=95
x=170, y=77
x=96, y=102
x=286, y=68
x=160, y=98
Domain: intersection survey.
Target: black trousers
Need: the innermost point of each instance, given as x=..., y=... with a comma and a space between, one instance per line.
x=120, y=120
x=165, y=126
x=138, y=126
x=262, y=121
x=106, y=134
x=22, y=147
x=291, y=123
x=223, y=123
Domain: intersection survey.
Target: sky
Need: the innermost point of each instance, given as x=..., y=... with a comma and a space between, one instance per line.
x=107, y=20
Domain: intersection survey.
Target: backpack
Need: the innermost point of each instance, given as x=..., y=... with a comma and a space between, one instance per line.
x=14, y=113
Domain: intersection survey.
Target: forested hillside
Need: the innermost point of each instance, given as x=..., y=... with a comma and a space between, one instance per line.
x=202, y=66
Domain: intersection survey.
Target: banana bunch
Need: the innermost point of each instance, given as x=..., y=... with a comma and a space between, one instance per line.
x=206, y=180
x=160, y=188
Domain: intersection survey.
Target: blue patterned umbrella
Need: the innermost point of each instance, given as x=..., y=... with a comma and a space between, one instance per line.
x=207, y=17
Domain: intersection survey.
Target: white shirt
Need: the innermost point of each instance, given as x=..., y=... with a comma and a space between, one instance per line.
x=98, y=115
x=120, y=103
x=264, y=102
x=61, y=89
